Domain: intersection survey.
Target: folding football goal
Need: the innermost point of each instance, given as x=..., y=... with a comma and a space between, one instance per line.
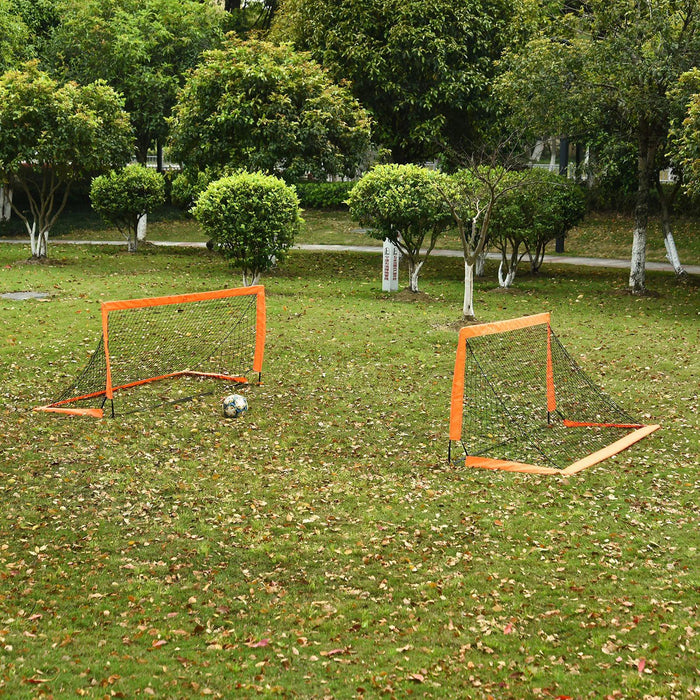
x=215, y=335
x=521, y=403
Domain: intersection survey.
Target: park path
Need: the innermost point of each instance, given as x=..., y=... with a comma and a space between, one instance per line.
x=552, y=259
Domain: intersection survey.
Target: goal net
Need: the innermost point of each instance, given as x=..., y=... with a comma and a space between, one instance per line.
x=521, y=403
x=188, y=337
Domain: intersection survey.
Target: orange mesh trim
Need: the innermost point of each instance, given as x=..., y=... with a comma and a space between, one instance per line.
x=486, y=463
x=260, y=332
x=457, y=400
x=93, y=412
x=502, y=326
x=577, y=424
x=551, y=400
x=181, y=298
x=610, y=450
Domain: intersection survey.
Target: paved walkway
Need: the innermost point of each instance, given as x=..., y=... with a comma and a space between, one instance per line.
x=553, y=259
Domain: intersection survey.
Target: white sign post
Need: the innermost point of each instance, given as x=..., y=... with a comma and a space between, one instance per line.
x=390, y=267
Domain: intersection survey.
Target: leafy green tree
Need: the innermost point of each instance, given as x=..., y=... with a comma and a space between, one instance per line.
x=402, y=203
x=14, y=37
x=540, y=207
x=142, y=48
x=258, y=106
x=251, y=218
x=471, y=196
x=608, y=67
x=690, y=147
x=123, y=197
x=53, y=135
x=421, y=68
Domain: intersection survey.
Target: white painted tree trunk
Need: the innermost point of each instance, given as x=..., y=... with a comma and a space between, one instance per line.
x=537, y=151
x=480, y=264
x=37, y=241
x=553, y=155
x=638, y=261
x=505, y=280
x=413, y=272
x=5, y=203
x=141, y=228
x=468, y=305
x=672, y=254
x=250, y=278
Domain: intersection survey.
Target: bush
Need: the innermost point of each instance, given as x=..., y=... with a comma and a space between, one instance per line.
x=251, y=219
x=403, y=204
x=324, y=195
x=123, y=196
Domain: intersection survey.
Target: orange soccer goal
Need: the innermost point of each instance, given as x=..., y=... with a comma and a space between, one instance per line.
x=521, y=403
x=187, y=337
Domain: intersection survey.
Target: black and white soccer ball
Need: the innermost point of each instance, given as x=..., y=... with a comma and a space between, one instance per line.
x=234, y=406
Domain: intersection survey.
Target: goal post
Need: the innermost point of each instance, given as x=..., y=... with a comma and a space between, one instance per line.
x=212, y=335
x=520, y=403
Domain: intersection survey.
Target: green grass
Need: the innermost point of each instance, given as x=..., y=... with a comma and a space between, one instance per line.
x=321, y=546
x=600, y=235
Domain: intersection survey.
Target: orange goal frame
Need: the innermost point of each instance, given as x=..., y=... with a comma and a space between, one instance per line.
x=109, y=306
x=639, y=431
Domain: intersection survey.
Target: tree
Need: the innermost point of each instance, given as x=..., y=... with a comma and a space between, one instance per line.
x=53, y=135
x=123, y=197
x=471, y=196
x=142, y=48
x=421, y=68
x=540, y=207
x=402, y=203
x=258, y=106
x=14, y=37
x=690, y=146
x=251, y=218
x=619, y=60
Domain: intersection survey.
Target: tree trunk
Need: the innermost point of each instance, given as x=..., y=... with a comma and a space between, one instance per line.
x=38, y=241
x=480, y=264
x=468, y=305
x=648, y=145
x=5, y=203
x=413, y=272
x=506, y=280
x=141, y=228
x=666, y=203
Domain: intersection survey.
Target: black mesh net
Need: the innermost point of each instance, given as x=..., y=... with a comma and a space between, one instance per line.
x=505, y=413
x=213, y=336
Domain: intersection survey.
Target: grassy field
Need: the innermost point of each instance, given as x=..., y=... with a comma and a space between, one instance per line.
x=321, y=546
x=599, y=235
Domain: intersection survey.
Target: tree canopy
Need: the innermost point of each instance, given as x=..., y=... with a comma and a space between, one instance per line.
x=142, y=48
x=422, y=68
x=259, y=106
x=402, y=203
x=53, y=135
x=602, y=67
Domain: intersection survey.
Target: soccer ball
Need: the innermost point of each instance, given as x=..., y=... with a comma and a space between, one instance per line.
x=234, y=406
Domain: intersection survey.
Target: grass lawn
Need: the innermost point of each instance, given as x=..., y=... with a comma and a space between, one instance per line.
x=321, y=546
x=599, y=235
